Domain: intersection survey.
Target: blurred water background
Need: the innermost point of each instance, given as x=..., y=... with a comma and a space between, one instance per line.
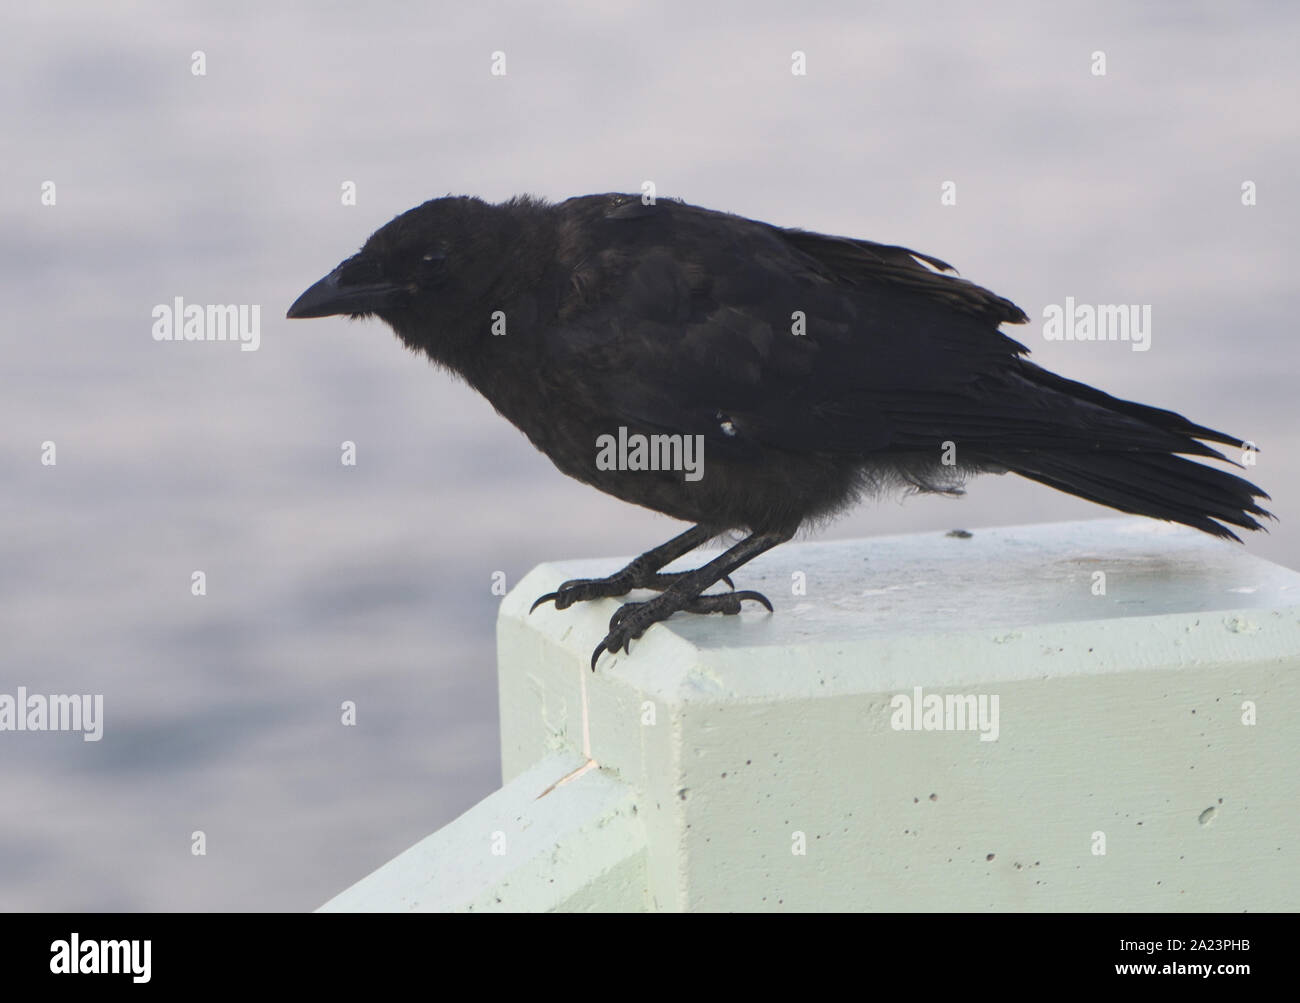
x=372, y=583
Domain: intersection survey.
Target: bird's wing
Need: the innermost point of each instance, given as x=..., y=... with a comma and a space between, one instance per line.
x=704, y=323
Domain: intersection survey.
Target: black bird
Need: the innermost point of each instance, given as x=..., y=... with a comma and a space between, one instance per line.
x=806, y=369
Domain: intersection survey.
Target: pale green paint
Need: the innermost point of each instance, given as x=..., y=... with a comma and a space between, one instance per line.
x=1119, y=714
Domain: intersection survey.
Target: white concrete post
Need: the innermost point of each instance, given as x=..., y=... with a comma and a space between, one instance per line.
x=1098, y=715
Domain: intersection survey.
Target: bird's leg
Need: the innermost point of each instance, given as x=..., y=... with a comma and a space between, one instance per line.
x=686, y=594
x=643, y=573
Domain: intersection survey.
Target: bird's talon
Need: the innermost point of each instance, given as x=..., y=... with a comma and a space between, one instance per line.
x=541, y=599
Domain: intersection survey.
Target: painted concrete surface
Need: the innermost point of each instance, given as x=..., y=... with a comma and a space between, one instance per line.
x=1098, y=715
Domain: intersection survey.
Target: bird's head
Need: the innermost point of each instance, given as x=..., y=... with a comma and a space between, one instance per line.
x=433, y=263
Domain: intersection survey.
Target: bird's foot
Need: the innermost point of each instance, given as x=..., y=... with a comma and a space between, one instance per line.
x=582, y=589
x=634, y=618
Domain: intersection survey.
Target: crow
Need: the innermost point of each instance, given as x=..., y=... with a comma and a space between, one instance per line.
x=749, y=378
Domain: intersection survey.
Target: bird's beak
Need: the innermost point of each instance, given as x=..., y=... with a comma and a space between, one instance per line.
x=330, y=297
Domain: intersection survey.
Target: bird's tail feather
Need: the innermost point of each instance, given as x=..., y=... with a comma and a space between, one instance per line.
x=1160, y=485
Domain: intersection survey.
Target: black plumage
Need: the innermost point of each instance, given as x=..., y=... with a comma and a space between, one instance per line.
x=813, y=368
